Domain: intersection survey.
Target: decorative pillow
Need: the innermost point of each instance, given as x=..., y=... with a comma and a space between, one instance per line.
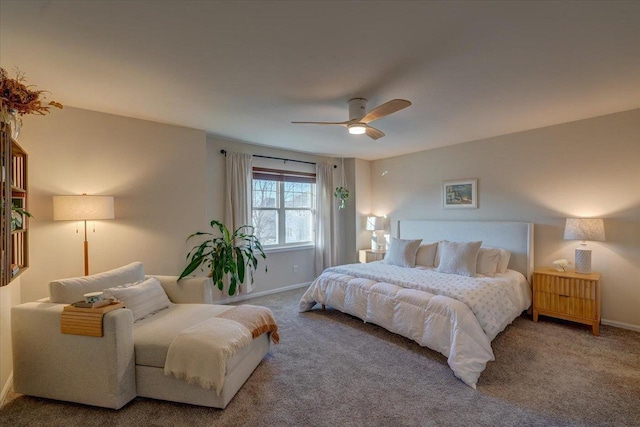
x=68, y=291
x=402, y=252
x=436, y=261
x=458, y=258
x=142, y=299
x=426, y=255
x=488, y=260
x=505, y=256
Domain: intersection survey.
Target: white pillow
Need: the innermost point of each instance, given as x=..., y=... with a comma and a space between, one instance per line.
x=488, y=260
x=458, y=258
x=436, y=261
x=426, y=255
x=68, y=291
x=142, y=299
x=505, y=256
x=402, y=252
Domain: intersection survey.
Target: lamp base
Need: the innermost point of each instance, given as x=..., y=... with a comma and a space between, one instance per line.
x=583, y=261
x=378, y=242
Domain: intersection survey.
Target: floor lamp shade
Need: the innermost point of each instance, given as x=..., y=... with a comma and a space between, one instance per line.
x=83, y=208
x=584, y=229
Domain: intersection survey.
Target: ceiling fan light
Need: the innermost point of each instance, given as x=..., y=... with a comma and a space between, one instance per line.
x=357, y=129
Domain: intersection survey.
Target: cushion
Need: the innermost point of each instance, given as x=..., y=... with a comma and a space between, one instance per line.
x=154, y=335
x=458, y=258
x=488, y=260
x=426, y=255
x=505, y=256
x=68, y=291
x=436, y=261
x=142, y=299
x=402, y=252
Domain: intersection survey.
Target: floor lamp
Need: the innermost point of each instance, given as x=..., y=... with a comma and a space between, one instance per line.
x=83, y=208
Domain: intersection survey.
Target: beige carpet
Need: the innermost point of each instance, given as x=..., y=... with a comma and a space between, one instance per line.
x=331, y=369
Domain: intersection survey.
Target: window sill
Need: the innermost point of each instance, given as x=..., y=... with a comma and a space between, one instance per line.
x=288, y=248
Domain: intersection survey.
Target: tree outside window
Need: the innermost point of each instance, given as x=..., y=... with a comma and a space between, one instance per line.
x=283, y=209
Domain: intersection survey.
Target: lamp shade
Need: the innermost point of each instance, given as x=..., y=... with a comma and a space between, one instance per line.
x=375, y=223
x=584, y=229
x=82, y=208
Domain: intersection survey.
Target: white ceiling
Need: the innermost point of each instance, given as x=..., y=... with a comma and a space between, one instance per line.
x=245, y=70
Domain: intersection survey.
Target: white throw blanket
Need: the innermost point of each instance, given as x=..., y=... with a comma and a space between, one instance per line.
x=214, y=340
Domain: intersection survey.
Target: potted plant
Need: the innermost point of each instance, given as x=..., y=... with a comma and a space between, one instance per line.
x=229, y=254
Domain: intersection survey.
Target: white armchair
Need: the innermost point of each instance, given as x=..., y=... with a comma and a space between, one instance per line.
x=102, y=371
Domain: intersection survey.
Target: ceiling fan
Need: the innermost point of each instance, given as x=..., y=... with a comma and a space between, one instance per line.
x=359, y=119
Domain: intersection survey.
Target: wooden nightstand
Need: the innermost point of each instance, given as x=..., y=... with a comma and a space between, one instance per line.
x=567, y=295
x=368, y=255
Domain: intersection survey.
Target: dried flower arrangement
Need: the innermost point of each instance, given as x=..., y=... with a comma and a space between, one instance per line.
x=17, y=97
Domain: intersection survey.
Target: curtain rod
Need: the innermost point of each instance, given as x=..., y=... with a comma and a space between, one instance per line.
x=278, y=158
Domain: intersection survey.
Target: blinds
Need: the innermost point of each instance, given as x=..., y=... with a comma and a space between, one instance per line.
x=283, y=175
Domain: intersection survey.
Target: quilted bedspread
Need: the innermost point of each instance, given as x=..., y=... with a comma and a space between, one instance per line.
x=457, y=316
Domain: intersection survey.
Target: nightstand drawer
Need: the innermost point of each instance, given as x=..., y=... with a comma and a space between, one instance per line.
x=567, y=287
x=562, y=304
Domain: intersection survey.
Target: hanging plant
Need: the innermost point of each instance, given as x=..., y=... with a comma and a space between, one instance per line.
x=342, y=192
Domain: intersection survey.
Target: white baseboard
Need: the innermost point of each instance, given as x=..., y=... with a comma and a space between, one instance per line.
x=244, y=297
x=6, y=388
x=621, y=325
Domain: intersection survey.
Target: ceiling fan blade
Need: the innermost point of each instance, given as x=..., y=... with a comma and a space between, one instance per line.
x=385, y=109
x=322, y=123
x=374, y=133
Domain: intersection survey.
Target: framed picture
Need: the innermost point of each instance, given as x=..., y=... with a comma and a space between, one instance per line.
x=460, y=194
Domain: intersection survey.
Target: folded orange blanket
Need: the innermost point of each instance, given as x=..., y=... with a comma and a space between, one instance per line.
x=255, y=318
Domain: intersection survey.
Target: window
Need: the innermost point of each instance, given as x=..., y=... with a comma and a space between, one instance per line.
x=283, y=207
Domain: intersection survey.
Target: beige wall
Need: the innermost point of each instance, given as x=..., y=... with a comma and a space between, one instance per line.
x=156, y=172
x=587, y=168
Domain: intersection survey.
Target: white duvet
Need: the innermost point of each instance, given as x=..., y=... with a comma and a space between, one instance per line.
x=457, y=316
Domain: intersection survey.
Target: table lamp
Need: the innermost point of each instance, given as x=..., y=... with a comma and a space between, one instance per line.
x=376, y=224
x=584, y=229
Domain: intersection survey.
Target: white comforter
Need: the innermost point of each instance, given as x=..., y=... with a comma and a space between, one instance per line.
x=455, y=315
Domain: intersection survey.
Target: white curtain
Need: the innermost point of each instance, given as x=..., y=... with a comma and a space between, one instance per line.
x=325, y=253
x=238, y=197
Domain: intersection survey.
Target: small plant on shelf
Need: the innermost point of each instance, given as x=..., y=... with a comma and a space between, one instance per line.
x=17, y=217
x=226, y=254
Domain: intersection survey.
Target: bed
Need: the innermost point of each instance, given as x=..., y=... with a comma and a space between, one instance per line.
x=457, y=314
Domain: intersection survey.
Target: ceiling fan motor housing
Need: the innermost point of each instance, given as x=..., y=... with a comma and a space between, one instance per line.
x=357, y=108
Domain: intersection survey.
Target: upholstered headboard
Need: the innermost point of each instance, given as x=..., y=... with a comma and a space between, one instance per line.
x=514, y=236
